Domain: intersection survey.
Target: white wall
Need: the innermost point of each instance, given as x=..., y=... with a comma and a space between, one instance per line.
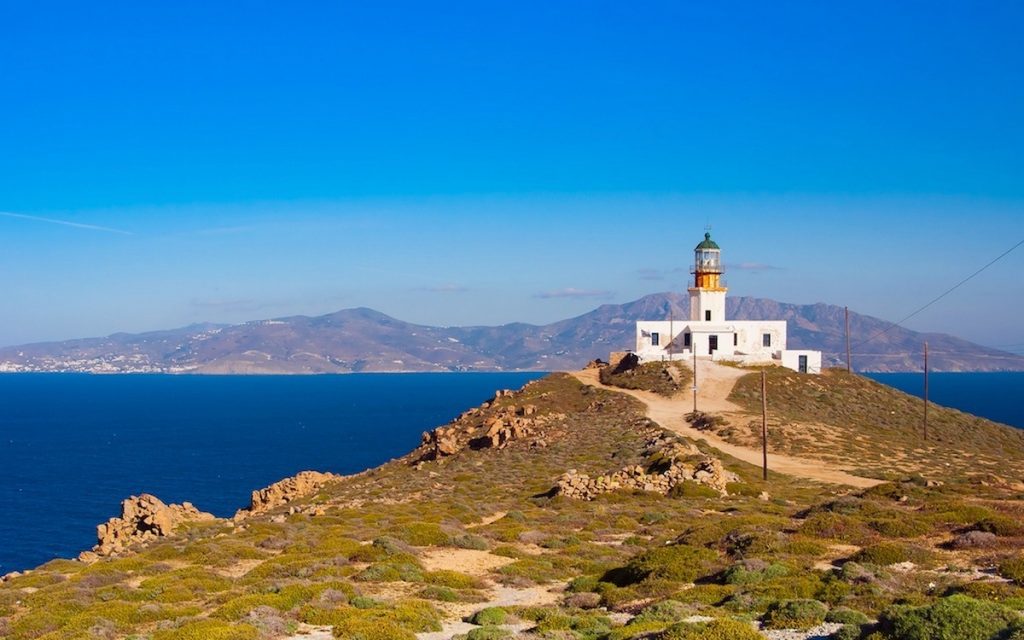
x=791, y=360
x=745, y=337
x=702, y=300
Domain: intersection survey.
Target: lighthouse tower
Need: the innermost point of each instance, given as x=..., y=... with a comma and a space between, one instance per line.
x=707, y=295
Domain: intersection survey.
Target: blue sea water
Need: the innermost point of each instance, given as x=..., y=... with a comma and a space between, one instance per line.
x=996, y=396
x=73, y=446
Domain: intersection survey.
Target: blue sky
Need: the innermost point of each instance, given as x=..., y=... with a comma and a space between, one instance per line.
x=458, y=163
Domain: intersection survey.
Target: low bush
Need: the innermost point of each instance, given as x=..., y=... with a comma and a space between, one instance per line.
x=887, y=553
x=1013, y=569
x=954, y=618
x=488, y=617
x=844, y=615
x=723, y=629
x=795, y=614
x=679, y=563
x=208, y=630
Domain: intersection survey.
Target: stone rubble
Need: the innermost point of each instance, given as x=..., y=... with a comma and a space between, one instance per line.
x=670, y=462
x=144, y=518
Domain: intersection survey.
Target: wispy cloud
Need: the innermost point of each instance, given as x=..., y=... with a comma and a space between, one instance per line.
x=65, y=223
x=572, y=292
x=752, y=266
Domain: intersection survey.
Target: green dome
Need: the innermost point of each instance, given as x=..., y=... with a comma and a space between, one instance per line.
x=708, y=243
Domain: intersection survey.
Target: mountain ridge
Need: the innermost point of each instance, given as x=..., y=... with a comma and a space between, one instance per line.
x=362, y=339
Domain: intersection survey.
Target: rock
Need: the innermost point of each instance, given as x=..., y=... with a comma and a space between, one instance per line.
x=973, y=540
x=288, y=490
x=143, y=519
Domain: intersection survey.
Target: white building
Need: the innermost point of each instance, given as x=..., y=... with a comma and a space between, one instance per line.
x=710, y=334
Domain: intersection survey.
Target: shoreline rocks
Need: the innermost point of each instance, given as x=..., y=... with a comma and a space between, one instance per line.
x=144, y=518
x=284, y=491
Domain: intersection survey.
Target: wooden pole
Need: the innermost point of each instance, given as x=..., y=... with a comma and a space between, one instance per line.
x=849, y=364
x=764, y=423
x=926, y=390
x=693, y=348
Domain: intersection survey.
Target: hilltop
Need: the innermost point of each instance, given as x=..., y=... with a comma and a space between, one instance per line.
x=584, y=506
x=358, y=340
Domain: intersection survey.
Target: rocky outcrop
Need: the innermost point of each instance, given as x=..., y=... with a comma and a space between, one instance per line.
x=280, y=493
x=669, y=462
x=489, y=426
x=143, y=519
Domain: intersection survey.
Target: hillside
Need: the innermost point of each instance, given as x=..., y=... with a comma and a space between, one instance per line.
x=355, y=340
x=562, y=511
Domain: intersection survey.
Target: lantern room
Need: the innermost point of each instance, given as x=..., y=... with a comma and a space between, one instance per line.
x=707, y=265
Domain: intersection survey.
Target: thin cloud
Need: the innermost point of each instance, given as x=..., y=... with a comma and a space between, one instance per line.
x=571, y=292
x=752, y=266
x=65, y=223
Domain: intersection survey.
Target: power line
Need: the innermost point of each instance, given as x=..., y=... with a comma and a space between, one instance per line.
x=942, y=295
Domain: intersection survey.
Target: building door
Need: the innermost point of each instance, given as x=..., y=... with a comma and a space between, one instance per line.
x=712, y=344
x=802, y=364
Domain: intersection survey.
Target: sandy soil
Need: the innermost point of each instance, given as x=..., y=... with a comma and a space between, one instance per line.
x=714, y=384
x=468, y=561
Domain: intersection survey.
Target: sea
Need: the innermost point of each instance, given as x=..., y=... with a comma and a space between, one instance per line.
x=72, y=446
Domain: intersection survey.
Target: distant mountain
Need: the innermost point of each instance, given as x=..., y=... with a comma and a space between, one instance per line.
x=362, y=339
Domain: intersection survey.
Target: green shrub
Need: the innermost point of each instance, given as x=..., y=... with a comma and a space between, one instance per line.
x=362, y=629
x=666, y=611
x=488, y=633
x=953, y=618
x=750, y=573
x=680, y=563
x=887, y=553
x=692, y=490
x=1000, y=525
x=208, y=630
x=723, y=629
x=837, y=526
x=848, y=632
x=422, y=534
x=488, y=617
x=844, y=615
x=795, y=614
x=1013, y=569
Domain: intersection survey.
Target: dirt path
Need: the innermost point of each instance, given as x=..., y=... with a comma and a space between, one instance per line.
x=714, y=384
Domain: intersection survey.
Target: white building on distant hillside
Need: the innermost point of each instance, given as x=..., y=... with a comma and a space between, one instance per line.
x=711, y=334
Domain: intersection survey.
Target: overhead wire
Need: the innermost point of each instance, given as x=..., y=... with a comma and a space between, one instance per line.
x=945, y=293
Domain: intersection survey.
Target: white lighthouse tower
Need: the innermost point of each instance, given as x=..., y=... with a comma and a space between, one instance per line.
x=710, y=334
x=707, y=295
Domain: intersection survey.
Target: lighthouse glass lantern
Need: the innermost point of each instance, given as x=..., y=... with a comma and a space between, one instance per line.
x=707, y=264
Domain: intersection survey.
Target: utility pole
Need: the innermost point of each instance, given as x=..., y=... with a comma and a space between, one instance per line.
x=926, y=390
x=693, y=348
x=849, y=365
x=764, y=423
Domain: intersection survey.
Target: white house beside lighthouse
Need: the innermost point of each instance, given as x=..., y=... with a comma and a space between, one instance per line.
x=708, y=332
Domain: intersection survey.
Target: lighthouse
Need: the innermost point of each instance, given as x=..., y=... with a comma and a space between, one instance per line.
x=707, y=295
x=710, y=334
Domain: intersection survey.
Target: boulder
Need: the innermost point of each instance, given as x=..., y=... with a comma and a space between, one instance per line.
x=143, y=518
x=288, y=490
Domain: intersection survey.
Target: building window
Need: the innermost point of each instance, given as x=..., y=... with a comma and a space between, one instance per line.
x=707, y=315
x=686, y=339
x=655, y=339
x=766, y=339
x=735, y=339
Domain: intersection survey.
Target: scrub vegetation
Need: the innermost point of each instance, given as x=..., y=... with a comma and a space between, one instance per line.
x=413, y=544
